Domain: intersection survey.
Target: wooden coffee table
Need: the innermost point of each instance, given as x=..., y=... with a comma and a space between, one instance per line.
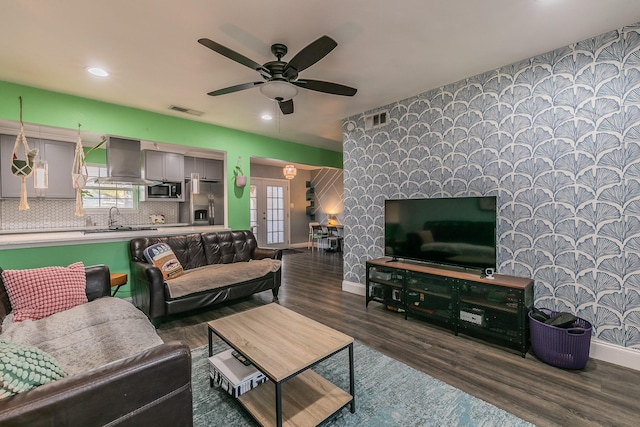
x=284, y=345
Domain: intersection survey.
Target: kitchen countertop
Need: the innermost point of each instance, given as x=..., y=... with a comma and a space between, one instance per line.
x=13, y=239
x=55, y=230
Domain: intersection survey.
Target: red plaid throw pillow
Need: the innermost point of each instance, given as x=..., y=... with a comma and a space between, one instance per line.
x=40, y=292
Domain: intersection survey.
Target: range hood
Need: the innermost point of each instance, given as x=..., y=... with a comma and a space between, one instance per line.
x=124, y=162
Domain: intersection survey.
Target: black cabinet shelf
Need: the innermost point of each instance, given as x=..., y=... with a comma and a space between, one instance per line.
x=442, y=317
x=433, y=294
x=491, y=309
x=493, y=306
x=388, y=283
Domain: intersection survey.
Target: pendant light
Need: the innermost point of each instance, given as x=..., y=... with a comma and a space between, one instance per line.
x=195, y=183
x=289, y=171
x=41, y=177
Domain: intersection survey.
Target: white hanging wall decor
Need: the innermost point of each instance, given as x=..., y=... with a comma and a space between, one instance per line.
x=22, y=168
x=79, y=173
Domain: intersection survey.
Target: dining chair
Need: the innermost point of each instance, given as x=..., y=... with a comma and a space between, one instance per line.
x=334, y=238
x=317, y=233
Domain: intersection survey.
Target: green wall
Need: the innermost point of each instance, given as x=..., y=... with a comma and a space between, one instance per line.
x=66, y=111
x=47, y=108
x=113, y=254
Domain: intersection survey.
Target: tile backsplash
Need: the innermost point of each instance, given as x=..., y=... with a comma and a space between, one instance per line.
x=54, y=214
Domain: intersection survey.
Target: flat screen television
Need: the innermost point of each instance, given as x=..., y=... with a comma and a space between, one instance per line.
x=456, y=232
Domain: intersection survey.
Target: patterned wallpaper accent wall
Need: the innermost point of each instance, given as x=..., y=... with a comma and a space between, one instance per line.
x=557, y=139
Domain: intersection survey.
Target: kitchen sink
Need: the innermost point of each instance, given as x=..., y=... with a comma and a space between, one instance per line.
x=119, y=228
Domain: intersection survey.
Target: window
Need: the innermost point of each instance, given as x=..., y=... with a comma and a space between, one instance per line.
x=105, y=196
x=275, y=214
x=253, y=208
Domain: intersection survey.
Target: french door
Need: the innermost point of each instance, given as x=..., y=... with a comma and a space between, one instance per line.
x=270, y=212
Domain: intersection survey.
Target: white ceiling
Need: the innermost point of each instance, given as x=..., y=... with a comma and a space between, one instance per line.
x=388, y=50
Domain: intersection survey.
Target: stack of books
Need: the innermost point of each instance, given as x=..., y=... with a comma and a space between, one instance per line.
x=232, y=375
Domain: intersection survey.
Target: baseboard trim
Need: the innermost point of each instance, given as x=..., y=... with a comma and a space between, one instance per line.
x=607, y=352
x=600, y=350
x=304, y=245
x=353, y=287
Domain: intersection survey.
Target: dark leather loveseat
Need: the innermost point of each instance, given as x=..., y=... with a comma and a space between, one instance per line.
x=151, y=388
x=195, y=251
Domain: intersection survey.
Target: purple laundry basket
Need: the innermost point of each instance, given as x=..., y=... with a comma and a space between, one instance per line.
x=562, y=347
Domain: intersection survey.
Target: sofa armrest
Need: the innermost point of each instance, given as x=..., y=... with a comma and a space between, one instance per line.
x=152, y=388
x=261, y=253
x=147, y=289
x=98, y=281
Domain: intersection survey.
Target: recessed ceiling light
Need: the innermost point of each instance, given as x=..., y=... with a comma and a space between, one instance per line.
x=97, y=71
x=266, y=117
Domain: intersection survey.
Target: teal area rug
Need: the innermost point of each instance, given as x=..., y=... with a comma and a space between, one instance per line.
x=388, y=393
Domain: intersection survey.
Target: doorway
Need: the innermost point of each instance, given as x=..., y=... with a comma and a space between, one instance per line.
x=269, y=204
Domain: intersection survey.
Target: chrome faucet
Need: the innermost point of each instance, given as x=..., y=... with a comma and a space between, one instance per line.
x=112, y=220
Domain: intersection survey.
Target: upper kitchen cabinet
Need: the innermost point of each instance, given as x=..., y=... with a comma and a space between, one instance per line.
x=59, y=157
x=163, y=166
x=209, y=169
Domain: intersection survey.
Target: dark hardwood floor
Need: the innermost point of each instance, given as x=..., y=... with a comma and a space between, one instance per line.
x=602, y=394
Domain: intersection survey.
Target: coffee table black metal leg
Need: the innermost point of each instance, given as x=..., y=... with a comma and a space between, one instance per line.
x=279, y=404
x=210, y=343
x=352, y=387
x=210, y=353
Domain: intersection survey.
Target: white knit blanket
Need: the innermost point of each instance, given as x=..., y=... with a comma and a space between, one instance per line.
x=88, y=335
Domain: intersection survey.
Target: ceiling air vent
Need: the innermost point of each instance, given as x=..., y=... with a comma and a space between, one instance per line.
x=376, y=120
x=186, y=110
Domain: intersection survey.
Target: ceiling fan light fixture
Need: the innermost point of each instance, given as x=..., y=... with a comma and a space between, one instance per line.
x=279, y=90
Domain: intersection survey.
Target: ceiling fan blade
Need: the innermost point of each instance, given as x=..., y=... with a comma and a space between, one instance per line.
x=308, y=56
x=236, y=88
x=286, y=106
x=234, y=56
x=326, y=87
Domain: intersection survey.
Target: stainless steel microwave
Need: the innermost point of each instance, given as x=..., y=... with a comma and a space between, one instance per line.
x=166, y=190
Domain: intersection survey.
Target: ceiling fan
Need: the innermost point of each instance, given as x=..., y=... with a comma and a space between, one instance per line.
x=281, y=78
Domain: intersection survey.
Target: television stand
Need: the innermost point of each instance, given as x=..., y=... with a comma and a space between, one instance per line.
x=491, y=309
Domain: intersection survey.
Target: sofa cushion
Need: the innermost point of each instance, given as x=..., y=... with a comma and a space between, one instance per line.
x=40, y=292
x=88, y=335
x=187, y=247
x=224, y=247
x=220, y=275
x=163, y=257
x=23, y=367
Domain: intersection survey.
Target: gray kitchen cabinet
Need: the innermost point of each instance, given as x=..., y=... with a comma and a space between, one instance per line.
x=163, y=166
x=59, y=157
x=209, y=169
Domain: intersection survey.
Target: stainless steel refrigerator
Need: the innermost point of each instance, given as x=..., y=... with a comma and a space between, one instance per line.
x=200, y=209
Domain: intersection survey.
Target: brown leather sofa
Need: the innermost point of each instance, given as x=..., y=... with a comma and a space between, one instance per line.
x=150, y=388
x=193, y=251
